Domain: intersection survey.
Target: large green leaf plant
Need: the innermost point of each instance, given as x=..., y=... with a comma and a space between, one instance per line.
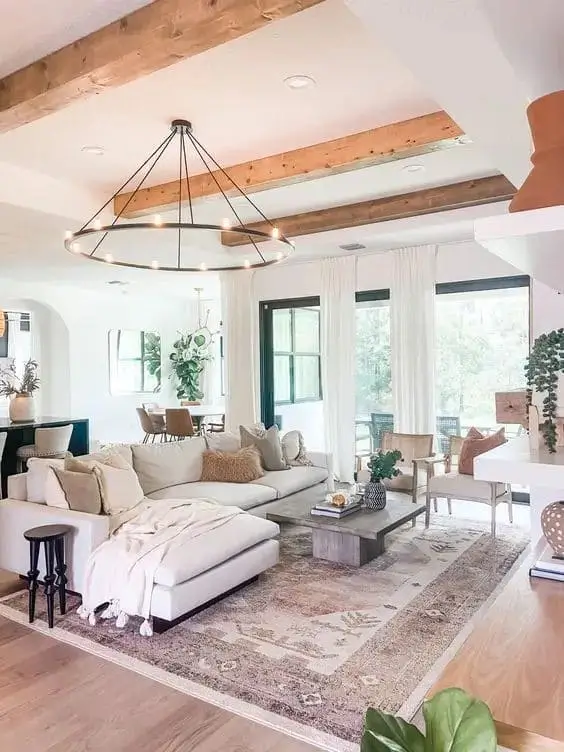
x=189, y=356
x=454, y=722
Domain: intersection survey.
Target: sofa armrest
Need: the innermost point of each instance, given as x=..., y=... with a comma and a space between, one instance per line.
x=89, y=531
x=17, y=486
x=322, y=459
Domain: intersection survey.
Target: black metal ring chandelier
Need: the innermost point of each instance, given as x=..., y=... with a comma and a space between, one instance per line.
x=89, y=240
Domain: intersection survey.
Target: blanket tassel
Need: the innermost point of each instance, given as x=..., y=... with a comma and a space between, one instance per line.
x=122, y=620
x=146, y=629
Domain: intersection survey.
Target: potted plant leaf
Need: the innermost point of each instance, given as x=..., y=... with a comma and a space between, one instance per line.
x=381, y=465
x=454, y=722
x=190, y=354
x=20, y=391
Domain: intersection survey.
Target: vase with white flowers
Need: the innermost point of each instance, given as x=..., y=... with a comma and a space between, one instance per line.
x=20, y=389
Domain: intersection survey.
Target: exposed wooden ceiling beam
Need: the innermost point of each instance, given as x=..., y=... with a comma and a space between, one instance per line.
x=153, y=37
x=426, y=201
x=401, y=140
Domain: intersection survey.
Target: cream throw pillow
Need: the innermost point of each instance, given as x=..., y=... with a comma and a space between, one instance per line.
x=268, y=444
x=81, y=490
x=37, y=476
x=119, y=484
x=293, y=449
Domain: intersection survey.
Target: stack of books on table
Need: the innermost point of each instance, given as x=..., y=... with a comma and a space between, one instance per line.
x=548, y=567
x=327, y=509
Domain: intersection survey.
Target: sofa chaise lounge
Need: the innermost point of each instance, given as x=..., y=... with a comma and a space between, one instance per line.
x=185, y=580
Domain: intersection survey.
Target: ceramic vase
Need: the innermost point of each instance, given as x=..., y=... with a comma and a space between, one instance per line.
x=22, y=408
x=552, y=523
x=375, y=495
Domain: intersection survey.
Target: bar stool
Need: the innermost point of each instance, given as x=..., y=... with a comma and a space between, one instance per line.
x=53, y=538
x=49, y=442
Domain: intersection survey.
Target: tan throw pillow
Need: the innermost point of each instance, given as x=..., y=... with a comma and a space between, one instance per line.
x=268, y=444
x=243, y=466
x=477, y=443
x=80, y=491
x=119, y=484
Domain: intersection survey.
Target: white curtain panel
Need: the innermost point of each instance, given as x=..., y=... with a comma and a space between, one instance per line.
x=412, y=301
x=238, y=315
x=338, y=286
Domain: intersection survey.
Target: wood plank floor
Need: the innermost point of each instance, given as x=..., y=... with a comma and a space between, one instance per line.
x=57, y=698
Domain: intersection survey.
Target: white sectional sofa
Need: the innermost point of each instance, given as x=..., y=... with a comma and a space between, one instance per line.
x=184, y=581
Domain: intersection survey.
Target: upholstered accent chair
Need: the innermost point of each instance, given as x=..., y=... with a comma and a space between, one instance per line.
x=453, y=485
x=414, y=448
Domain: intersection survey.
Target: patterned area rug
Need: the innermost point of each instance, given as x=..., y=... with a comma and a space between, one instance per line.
x=316, y=643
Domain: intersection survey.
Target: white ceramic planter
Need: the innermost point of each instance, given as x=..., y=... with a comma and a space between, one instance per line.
x=22, y=408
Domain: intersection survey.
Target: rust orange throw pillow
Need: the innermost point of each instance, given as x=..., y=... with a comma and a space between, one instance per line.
x=475, y=444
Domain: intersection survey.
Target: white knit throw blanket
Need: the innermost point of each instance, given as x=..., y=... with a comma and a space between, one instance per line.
x=121, y=570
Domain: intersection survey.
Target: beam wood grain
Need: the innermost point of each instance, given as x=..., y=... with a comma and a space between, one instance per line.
x=402, y=140
x=147, y=40
x=426, y=201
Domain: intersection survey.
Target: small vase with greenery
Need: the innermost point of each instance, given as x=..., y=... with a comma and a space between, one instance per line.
x=190, y=354
x=454, y=721
x=544, y=365
x=20, y=390
x=381, y=465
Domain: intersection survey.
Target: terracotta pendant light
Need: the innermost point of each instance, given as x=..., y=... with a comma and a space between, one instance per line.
x=545, y=184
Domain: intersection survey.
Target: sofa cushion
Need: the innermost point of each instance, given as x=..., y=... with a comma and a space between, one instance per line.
x=223, y=441
x=242, y=495
x=163, y=465
x=464, y=486
x=213, y=548
x=124, y=451
x=36, y=476
x=286, y=482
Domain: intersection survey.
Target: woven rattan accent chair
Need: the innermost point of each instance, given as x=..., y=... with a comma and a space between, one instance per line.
x=178, y=423
x=414, y=448
x=152, y=425
x=453, y=485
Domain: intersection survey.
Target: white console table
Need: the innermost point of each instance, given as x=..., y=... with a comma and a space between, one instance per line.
x=513, y=462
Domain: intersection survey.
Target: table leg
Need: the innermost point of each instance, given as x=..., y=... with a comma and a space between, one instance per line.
x=60, y=569
x=344, y=548
x=50, y=580
x=32, y=576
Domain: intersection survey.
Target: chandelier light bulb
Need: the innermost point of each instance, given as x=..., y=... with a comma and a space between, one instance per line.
x=75, y=247
x=154, y=264
x=157, y=220
x=275, y=232
x=97, y=225
x=226, y=224
x=108, y=258
x=68, y=234
x=203, y=267
x=246, y=263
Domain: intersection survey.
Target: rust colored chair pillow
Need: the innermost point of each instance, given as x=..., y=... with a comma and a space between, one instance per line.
x=243, y=466
x=475, y=444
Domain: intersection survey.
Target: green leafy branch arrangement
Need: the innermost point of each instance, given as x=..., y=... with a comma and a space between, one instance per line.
x=454, y=722
x=189, y=356
x=383, y=465
x=543, y=366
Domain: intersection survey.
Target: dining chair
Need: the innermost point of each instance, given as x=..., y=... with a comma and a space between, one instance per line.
x=178, y=422
x=150, y=406
x=48, y=442
x=214, y=426
x=152, y=425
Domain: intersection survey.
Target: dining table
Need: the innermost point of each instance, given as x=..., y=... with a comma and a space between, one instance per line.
x=197, y=412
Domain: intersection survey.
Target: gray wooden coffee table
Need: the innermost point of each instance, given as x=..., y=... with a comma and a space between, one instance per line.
x=354, y=540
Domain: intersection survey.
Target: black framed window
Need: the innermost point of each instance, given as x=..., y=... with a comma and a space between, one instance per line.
x=135, y=361
x=297, y=359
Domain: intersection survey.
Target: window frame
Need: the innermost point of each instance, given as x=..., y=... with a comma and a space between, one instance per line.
x=142, y=360
x=293, y=353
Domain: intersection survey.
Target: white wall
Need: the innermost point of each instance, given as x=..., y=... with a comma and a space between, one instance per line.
x=72, y=350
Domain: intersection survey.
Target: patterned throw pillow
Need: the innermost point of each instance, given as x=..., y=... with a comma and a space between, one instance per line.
x=243, y=466
x=475, y=444
x=293, y=449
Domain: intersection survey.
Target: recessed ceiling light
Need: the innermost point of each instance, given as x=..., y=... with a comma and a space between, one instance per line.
x=299, y=82
x=97, y=151
x=352, y=247
x=413, y=168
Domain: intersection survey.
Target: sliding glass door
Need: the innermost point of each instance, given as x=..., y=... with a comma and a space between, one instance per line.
x=291, y=392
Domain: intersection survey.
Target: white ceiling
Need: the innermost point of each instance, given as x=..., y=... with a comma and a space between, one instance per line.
x=236, y=98
x=241, y=110
x=34, y=28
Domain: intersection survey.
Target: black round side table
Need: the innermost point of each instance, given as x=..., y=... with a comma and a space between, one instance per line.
x=53, y=536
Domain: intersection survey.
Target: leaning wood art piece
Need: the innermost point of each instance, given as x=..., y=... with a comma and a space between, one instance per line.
x=511, y=407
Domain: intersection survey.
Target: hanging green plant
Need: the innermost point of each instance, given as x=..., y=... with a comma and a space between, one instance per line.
x=543, y=367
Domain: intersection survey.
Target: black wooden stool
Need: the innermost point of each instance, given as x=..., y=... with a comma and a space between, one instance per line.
x=53, y=536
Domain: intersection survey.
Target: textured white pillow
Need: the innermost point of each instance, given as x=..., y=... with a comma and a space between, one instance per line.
x=36, y=477
x=54, y=494
x=223, y=441
x=120, y=487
